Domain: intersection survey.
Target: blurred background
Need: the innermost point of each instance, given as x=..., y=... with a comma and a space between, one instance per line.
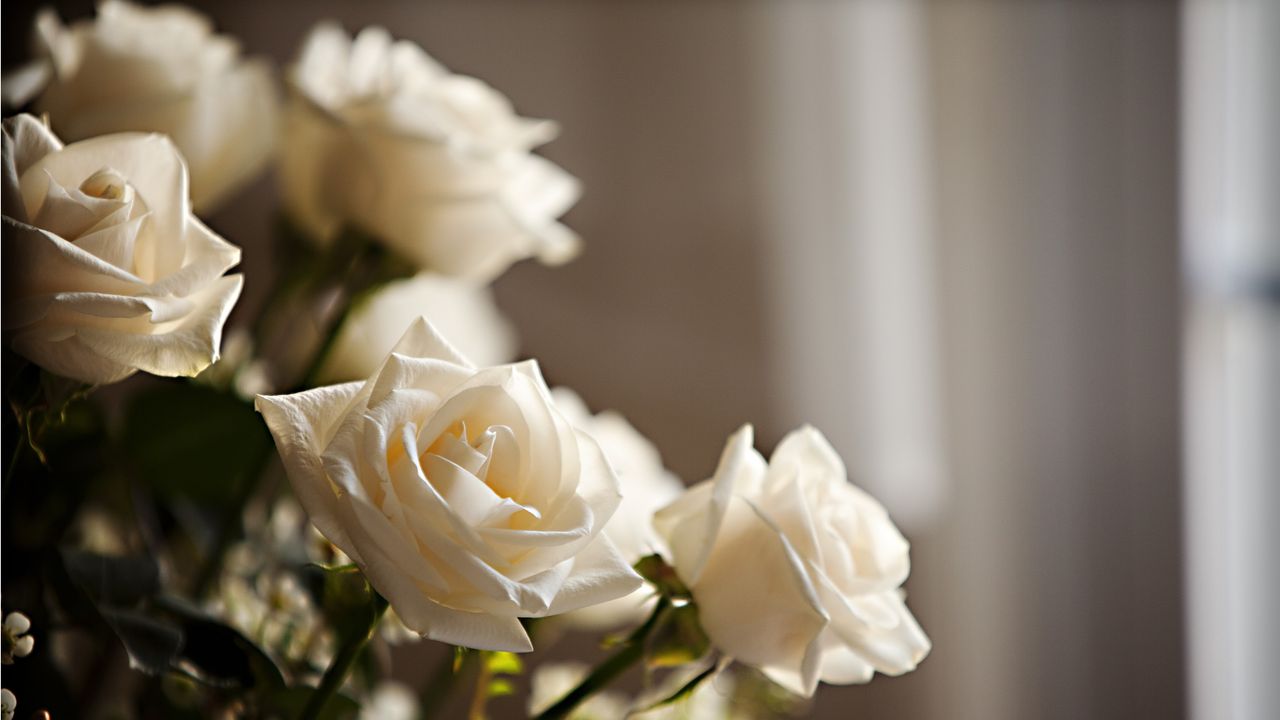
x=1019, y=261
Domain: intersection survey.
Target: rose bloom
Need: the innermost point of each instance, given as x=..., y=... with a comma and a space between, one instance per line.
x=462, y=310
x=462, y=493
x=795, y=570
x=646, y=487
x=437, y=166
x=106, y=271
x=161, y=69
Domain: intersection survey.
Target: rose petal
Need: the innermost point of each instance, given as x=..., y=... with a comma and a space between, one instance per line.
x=754, y=579
x=599, y=574
x=692, y=523
x=302, y=425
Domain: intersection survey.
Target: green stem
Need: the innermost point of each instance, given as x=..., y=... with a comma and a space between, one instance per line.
x=338, y=670
x=441, y=683
x=609, y=670
x=360, y=273
x=312, y=373
x=480, y=696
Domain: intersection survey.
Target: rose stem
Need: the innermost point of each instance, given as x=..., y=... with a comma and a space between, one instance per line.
x=342, y=662
x=442, y=680
x=359, y=275
x=607, y=671
x=481, y=694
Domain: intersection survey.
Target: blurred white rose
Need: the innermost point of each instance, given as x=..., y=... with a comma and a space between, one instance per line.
x=795, y=570
x=436, y=165
x=390, y=700
x=462, y=310
x=462, y=493
x=161, y=69
x=646, y=487
x=106, y=271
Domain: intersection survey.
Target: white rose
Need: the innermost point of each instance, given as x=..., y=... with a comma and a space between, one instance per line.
x=646, y=487
x=795, y=570
x=460, y=309
x=106, y=271
x=463, y=494
x=435, y=165
x=161, y=69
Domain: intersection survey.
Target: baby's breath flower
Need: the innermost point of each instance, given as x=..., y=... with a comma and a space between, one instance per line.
x=17, y=643
x=8, y=704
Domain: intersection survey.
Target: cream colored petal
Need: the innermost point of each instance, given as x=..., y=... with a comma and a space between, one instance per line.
x=114, y=243
x=599, y=574
x=463, y=311
x=22, y=84
x=441, y=378
x=302, y=425
x=32, y=140
x=310, y=161
x=422, y=340
x=240, y=112
x=755, y=600
x=472, y=237
x=206, y=256
x=183, y=347
x=153, y=167
x=538, y=191
x=68, y=356
x=38, y=262
x=416, y=609
x=380, y=542
x=807, y=450
x=691, y=524
x=478, y=630
x=842, y=666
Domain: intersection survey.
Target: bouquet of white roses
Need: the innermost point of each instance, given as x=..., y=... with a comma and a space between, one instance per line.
x=435, y=488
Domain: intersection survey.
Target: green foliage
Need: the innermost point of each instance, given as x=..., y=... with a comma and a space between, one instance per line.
x=347, y=600
x=504, y=663
x=678, y=638
x=662, y=576
x=193, y=442
x=163, y=634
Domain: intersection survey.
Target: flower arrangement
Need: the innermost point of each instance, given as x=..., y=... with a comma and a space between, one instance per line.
x=366, y=463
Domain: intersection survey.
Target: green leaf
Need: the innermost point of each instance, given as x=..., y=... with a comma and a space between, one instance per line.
x=504, y=663
x=499, y=687
x=162, y=634
x=195, y=442
x=460, y=655
x=217, y=654
x=153, y=646
x=113, y=581
x=678, y=639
